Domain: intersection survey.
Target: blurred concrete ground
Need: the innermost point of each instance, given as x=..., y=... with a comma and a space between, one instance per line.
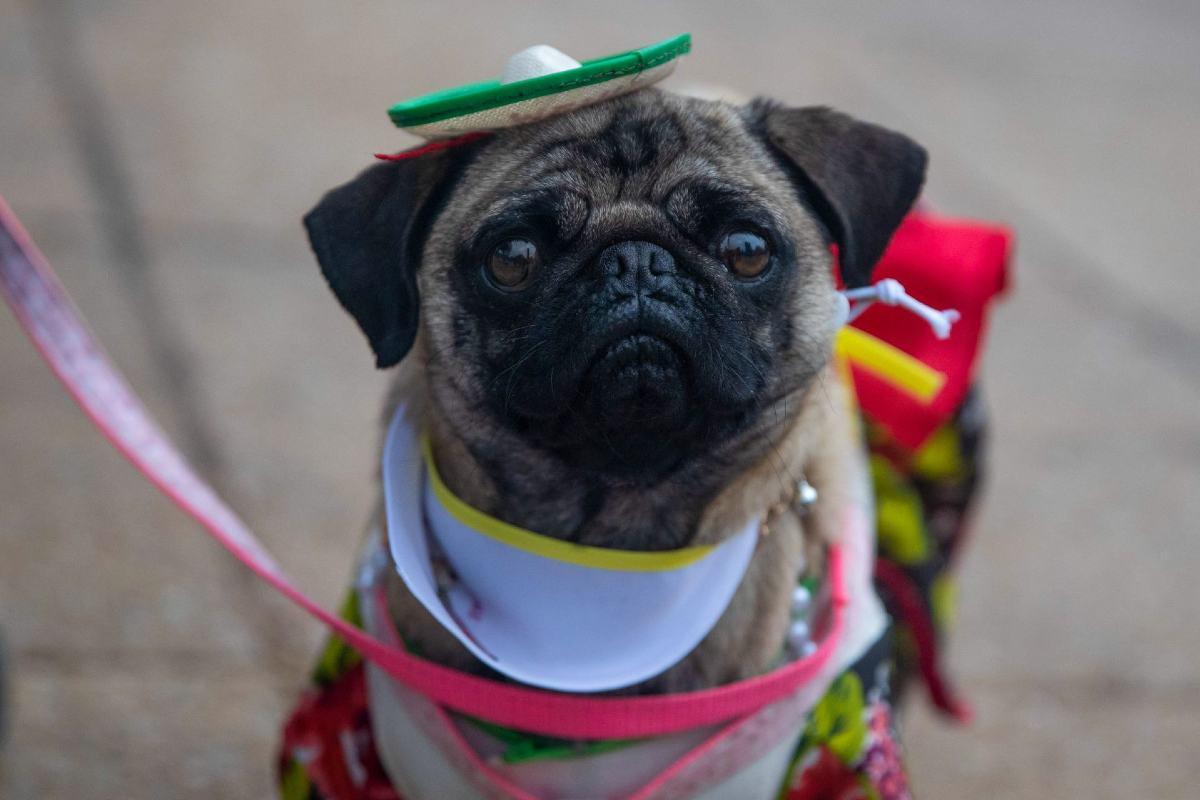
x=162, y=154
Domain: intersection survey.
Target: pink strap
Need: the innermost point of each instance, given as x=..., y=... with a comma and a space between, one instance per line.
x=48, y=316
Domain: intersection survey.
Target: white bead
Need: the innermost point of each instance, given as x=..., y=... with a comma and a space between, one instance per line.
x=806, y=493
x=798, y=634
x=801, y=601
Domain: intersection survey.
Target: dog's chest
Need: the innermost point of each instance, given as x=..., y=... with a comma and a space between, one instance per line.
x=360, y=735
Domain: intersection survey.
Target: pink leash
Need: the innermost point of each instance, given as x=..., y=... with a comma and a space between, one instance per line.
x=56, y=328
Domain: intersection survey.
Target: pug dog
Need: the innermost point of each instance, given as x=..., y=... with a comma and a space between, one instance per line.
x=617, y=325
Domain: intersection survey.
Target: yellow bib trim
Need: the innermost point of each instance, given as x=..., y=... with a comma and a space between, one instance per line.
x=556, y=549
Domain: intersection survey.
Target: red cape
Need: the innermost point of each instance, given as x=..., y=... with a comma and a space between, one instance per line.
x=945, y=263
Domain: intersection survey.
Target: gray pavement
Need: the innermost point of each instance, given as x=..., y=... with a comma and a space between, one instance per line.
x=163, y=153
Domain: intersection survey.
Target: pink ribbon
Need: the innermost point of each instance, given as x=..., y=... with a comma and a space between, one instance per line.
x=56, y=328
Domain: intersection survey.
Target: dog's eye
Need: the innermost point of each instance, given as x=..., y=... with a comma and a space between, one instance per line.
x=512, y=263
x=745, y=253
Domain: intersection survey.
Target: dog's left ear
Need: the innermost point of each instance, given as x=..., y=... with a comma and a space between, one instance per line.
x=861, y=178
x=368, y=236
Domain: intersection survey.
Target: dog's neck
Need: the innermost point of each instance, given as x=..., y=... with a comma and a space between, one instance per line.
x=498, y=473
x=819, y=443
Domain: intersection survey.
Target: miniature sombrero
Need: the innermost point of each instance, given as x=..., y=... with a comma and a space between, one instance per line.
x=538, y=82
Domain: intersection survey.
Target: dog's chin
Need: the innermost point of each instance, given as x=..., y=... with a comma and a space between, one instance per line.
x=633, y=416
x=639, y=384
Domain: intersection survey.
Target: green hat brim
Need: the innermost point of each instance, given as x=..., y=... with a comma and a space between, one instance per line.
x=428, y=110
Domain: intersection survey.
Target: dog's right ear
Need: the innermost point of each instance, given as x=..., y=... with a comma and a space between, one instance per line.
x=368, y=236
x=861, y=178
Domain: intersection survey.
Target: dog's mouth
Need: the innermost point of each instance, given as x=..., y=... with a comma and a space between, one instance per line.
x=634, y=398
x=631, y=409
x=638, y=382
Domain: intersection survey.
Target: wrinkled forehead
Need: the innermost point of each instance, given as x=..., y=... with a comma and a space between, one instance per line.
x=649, y=147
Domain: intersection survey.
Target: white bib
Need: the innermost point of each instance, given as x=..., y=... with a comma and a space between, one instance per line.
x=539, y=610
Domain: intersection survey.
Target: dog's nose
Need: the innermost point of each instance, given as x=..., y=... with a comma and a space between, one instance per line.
x=631, y=262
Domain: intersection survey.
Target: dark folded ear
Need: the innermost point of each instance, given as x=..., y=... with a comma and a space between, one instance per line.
x=861, y=178
x=368, y=236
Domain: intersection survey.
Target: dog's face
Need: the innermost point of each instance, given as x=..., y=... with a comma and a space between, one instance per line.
x=629, y=288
